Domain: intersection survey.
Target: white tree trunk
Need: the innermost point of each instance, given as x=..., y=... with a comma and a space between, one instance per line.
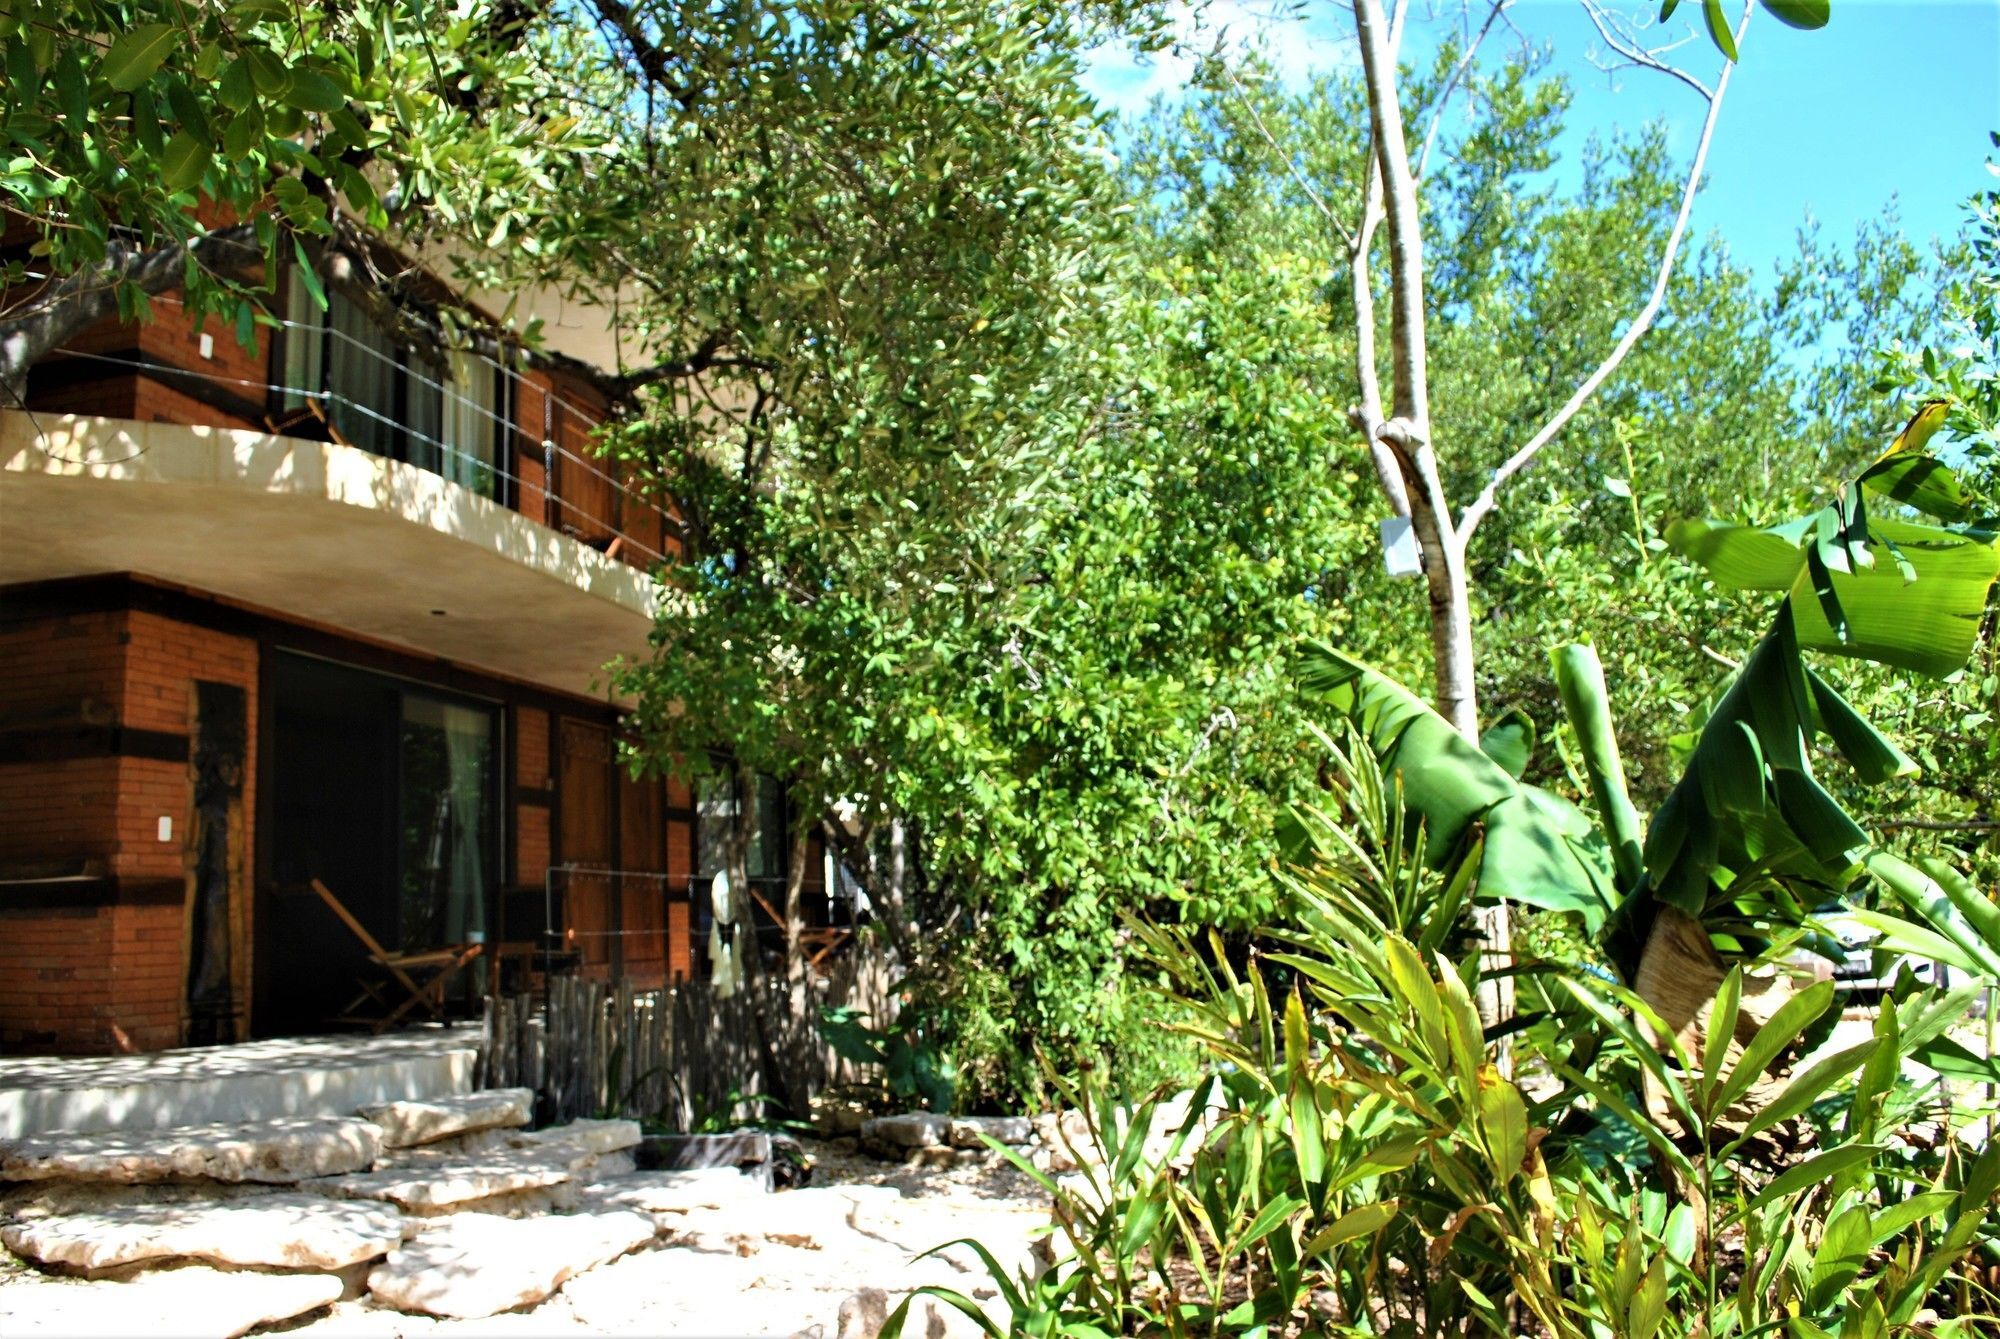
x=1410, y=433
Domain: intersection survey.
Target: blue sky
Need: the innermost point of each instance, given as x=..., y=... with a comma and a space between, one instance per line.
x=1893, y=99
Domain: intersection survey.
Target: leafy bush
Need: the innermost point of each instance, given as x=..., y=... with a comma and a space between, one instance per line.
x=1357, y=1160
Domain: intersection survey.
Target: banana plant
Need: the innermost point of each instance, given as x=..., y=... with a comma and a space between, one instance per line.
x=1748, y=845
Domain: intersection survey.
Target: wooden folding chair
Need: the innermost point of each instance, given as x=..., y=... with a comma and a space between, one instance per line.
x=422, y=975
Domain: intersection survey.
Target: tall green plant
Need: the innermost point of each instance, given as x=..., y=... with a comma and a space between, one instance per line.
x=1357, y=1163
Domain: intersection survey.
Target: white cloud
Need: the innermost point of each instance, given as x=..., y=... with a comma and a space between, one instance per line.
x=1298, y=46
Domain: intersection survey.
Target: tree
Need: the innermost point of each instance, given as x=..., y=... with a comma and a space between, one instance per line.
x=1526, y=290
x=194, y=149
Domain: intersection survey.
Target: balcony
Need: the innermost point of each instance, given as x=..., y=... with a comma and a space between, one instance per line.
x=445, y=501
x=320, y=532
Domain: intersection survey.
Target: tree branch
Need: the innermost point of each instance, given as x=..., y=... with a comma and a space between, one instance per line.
x=1635, y=54
x=1640, y=324
x=652, y=61
x=1399, y=191
x=1317, y=201
x=1367, y=416
x=1451, y=84
x=80, y=300
x=705, y=357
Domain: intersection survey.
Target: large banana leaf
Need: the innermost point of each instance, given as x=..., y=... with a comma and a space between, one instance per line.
x=1538, y=848
x=1919, y=612
x=1748, y=796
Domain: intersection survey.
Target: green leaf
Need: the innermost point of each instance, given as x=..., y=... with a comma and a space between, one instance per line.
x=236, y=88
x=1926, y=896
x=1538, y=849
x=1648, y=1306
x=1503, y=1118
x=1265, y=1223
x=1923, y=482
x=1841, y=1254
x=267, y=72
x=1814, y=1170
x=1586, y=701
x=1718, y=28
x=1945, y=1057
x=1928, y=625
x=1391, y=1156
x=1721, y=1027
x=1873, y=755
x=1510, y=741
x=1808, y=14
x=310, y=92
x=862, y=1051
x=1903, y=936
x=135, y=55
x=1788, y=1023
x=184, y=162
x=1141, y=1217
x=1806, y=1088
x=1365, y=1221
x=1898, y=1217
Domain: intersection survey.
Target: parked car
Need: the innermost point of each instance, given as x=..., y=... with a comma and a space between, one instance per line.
x=1865, y=970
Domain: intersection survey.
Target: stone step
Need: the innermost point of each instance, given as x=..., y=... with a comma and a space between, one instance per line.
x=251, y=1081
x=447, y=1183
x=283, y=1231
x=592, y=1136
x=194, y=1300
x=409, y=1124
x=267, y=1151
x=476, y=1265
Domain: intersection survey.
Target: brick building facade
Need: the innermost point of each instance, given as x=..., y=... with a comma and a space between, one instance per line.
x=240, y=652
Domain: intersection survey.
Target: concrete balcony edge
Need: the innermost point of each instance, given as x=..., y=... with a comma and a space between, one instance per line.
x=327, y=533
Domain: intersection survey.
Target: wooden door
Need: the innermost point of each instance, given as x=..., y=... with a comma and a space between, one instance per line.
x=642, y=894
x=583, y=790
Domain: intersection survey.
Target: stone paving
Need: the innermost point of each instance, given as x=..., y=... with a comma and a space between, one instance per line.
x=446, y=1218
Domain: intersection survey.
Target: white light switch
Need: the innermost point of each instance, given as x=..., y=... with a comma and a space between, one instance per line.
x=208, y=346
x=166, y=827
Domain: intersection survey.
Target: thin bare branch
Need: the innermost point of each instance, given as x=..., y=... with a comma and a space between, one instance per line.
x=1291, y=166
x=1640, y=323
x=1451, y=85
x=1634, y=54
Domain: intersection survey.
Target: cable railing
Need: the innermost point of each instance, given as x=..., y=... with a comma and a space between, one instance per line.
x=569, y=514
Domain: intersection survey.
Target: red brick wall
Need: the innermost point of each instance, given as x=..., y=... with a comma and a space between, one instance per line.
x=531, y=748
x=93, y=978
x=531, y=844
x=172, y=338
x=56, y=673
x=55, y=994
x=235, y=374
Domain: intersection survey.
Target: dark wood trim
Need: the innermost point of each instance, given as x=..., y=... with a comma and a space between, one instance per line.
x=510, y=805
x=262, y=846
x=87, y=894
x=67, y=743
x=554, y=778
x=112, y=593
x=534, y=797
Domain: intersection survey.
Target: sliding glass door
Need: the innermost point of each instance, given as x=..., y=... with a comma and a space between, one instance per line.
x=447, y=821
x=389, y=794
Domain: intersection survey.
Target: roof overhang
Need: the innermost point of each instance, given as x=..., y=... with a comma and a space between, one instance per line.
x=323, y=533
